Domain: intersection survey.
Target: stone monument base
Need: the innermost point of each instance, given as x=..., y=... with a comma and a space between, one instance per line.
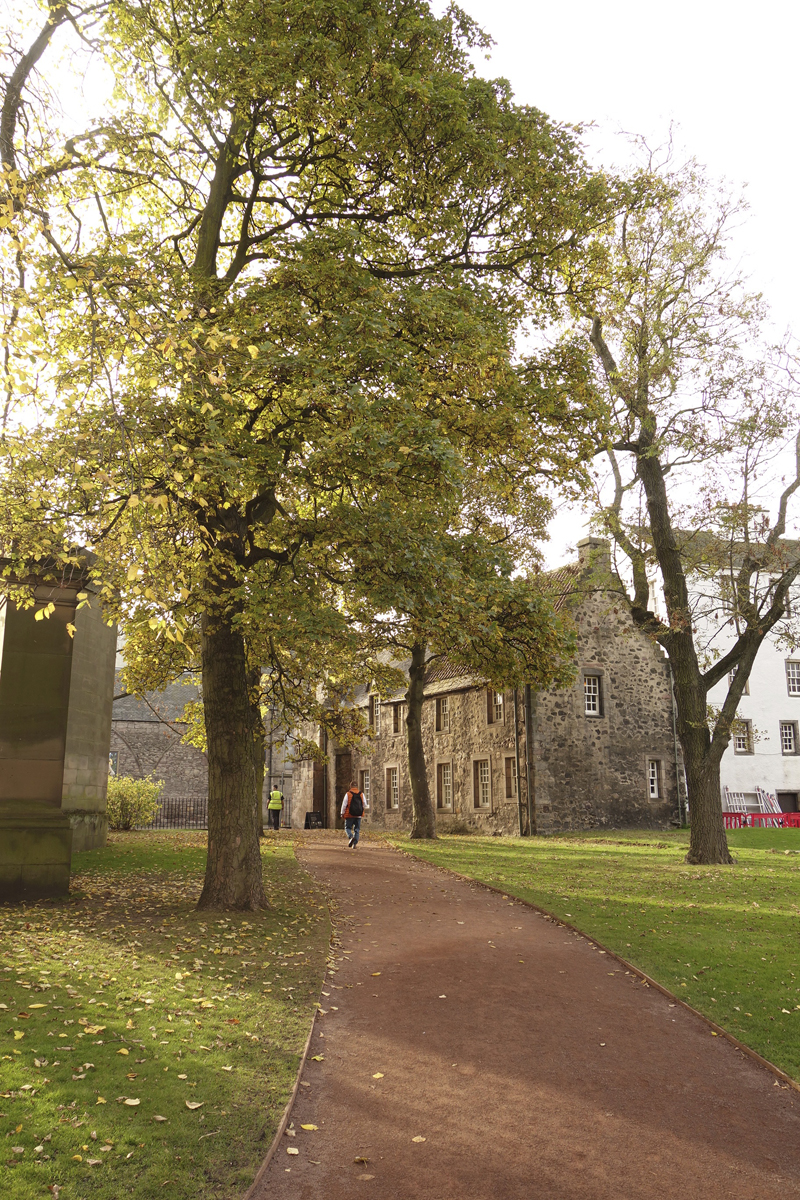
x=35, y=852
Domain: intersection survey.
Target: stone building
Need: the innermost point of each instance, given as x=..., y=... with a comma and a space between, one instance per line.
x=601, y=753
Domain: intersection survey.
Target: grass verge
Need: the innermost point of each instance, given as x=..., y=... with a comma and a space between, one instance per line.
x=725, y=939
x=145, y=1046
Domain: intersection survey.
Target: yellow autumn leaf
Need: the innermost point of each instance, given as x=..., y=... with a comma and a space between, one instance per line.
x=419, y=1139
x=375, y=974
x=378, y=1075
x=133, y=501
x=253, y=351
x=309, y=1126
x=19, y=1034
x=317, y=1057
x=193, y=1104
x=37, y=1006
x=131, y=1102
x=100, y=1100
x=123, y=1051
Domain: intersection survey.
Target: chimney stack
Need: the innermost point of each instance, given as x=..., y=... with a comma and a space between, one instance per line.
x=594, y=554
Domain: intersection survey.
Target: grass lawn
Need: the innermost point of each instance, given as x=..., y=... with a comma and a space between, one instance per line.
x=146, y=1047
x=725, y=939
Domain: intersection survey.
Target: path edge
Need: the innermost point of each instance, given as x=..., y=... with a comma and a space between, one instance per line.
x=653, y=983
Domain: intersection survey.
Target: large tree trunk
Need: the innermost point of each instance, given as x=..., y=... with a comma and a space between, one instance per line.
x=707, y=840
x=423, y=821
x=233, y=870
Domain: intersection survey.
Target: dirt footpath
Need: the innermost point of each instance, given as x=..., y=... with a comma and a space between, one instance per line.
x=474, y=1050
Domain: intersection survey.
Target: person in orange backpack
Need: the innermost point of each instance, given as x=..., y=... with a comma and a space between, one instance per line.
x=353, y=807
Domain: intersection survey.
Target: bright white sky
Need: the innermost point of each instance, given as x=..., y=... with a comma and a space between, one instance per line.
x=726, y=73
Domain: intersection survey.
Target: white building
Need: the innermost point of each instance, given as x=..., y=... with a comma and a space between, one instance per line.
x=765, y=746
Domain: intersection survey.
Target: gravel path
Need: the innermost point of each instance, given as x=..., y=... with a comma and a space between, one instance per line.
x=474, y=1050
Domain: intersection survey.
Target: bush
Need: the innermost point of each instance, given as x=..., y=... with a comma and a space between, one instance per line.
x=132, y=802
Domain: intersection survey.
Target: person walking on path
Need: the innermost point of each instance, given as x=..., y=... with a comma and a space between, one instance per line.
x=274, y=808
x=353, y=807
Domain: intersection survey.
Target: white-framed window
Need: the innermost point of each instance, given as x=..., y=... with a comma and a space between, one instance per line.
x=113, y=762
x=498, y=708
x=392, y=788
x=399, y=714
x=788, y=737
x=742, y=737
x=511, y=777
x=654, y=778
x=363, y=783
x=592, y=696
x=482, y=783
x=375, y=714
x=793, y=677
x=444, y=785
x=442, y=713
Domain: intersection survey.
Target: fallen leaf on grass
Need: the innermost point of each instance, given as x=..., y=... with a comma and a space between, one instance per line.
x=100, y=1100
x=158, y=1118
x=131, y=1103
x=18, y=1035
x=193, y=1104
x=123, y=1051
x=94, y=1162
x=224, y=1069
x=37, y=1006
x=419, y=1139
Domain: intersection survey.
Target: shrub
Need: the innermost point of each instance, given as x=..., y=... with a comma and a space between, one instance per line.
x=132, y=802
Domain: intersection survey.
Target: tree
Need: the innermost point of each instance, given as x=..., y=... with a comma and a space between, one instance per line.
x=700, y=408
x=271, y=279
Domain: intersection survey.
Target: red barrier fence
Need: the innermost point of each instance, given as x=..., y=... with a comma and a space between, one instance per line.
x=735, y=820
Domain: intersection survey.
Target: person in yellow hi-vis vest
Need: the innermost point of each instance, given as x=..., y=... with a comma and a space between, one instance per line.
x=274, y=807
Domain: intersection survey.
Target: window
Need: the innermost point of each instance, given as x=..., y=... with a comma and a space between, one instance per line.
x=731, y=678
x=399, y=713
x=375, y=714
x=653, y=778
x=442, y=713
x=495, y=709
x=788, y=737
x=592, y=696
x=793, y=678
x=113, y=761
x=511, y=777
x=742, y=733
x=392, y=788
x=482, y=784
x=363, y=783
x=444, y=785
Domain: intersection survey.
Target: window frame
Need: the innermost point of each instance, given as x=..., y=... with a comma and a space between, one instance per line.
x=375, y=715
x=495, y=707
x=477, y=783
x=747, y=727
x=793, y=726
x=789, y=663
x=600, y=711
x=442, y=722
x=655, y=779
x=399, y=713
x=364, y=784
x=512, y=783
x=442, y=804
x=392, y=776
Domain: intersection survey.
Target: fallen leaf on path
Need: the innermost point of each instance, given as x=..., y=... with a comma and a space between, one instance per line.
x=317, y=1057
x=419, y=1139
x=309, y=1127
x=292, y=1150
x=443, y=997
x=366, y=1177
x=361, y=1160
x=193, y=1104
x=378, y=1075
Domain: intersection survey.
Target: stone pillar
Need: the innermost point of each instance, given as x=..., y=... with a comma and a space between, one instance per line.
x=55, y=708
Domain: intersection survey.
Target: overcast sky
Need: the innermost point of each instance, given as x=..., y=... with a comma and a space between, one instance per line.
x=725, y=73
